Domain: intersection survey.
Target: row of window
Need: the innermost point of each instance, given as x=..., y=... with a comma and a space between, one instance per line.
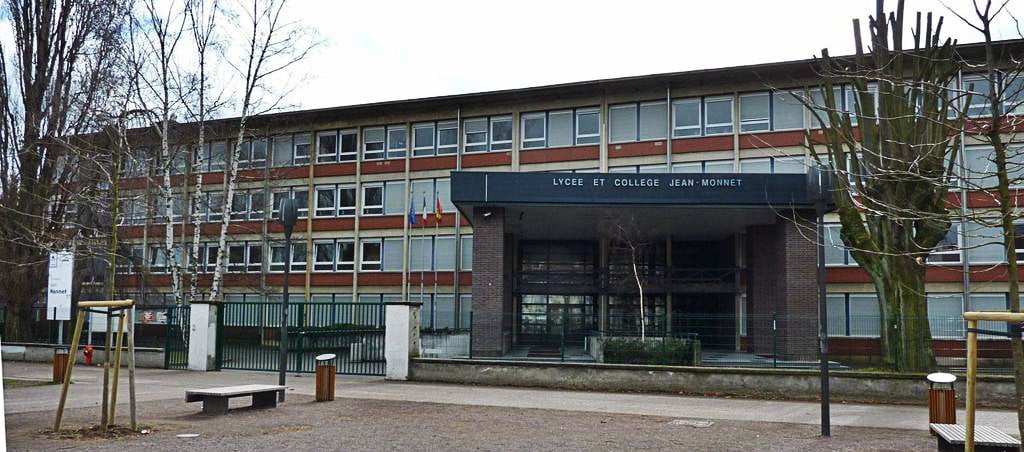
x=981, y=242
x=428, y=253
x=856, y=314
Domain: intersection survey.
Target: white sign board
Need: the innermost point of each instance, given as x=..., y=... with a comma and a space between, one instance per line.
x=58, y=294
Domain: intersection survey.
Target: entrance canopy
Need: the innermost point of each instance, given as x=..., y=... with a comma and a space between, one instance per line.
x=581, y=206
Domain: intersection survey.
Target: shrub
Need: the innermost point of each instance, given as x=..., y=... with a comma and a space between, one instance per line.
x=661, y=351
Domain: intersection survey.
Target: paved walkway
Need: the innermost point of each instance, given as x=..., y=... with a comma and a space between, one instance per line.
x=154, y=384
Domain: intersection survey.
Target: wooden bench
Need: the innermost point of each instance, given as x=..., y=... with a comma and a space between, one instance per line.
x=952, y=437
x=215, y=400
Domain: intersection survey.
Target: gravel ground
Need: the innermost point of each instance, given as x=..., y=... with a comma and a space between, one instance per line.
x=351, y=424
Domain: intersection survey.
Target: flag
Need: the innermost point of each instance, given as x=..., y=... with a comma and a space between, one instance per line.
x=424, y=208
x=438, y=211
x=412, y=214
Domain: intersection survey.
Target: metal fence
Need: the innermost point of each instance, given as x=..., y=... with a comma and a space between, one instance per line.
x=249, y=336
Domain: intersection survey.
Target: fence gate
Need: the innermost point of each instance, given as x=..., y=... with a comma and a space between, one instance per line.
x=248, y=336
x=176, y=337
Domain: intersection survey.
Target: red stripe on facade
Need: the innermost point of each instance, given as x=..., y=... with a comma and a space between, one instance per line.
x=380, y=279
x=636, y=149
x=870, y=346
x=296, y=280
x=566, y=154
x=385, y=222
x=383, y=166
x=242, y=280
x=331, y=279
x=334, y=224
x=702, y=144
x=772, y=139
x=934, y=274
x=295, y=172
x=432, y=163
x=486, y=159
x=275, y=226
x=334, y=169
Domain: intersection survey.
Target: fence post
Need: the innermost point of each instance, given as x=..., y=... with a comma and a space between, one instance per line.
x=775, y=345
x=401, y=338
x=167, y=337
x=470, y=334
x=563, y=337
x=202, y=340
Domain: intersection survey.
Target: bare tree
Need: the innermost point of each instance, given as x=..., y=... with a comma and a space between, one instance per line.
x=628, y=243
x=56, y=75
x=999, y=96
x=273, y=45
x=894, y=157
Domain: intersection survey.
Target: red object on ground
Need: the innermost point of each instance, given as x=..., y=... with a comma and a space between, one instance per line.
x=87, y=352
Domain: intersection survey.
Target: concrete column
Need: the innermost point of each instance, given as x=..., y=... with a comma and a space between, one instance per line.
x=401, y=337
x=202, y=337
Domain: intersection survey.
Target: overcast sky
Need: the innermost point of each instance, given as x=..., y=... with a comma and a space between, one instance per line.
x=387, y=50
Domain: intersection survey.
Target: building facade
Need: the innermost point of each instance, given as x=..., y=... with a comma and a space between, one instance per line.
x=533, y=215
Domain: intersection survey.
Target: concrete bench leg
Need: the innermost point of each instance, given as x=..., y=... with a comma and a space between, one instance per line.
x=264, y=399
x=215, y=406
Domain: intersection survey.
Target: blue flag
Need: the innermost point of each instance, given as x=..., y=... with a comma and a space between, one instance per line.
x=412, y=213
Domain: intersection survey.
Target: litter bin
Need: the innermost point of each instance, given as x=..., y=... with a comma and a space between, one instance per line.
x=325, y=369
x=60, y=363
x=941, y=399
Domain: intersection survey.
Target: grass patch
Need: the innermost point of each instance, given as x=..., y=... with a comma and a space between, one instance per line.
x=20, y=382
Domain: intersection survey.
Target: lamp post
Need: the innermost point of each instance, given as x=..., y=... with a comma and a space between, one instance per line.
x=818, y=187
x=289, y=215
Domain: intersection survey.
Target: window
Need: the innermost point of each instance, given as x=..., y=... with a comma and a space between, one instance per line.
x=835, y=251
x=718, y=114
x=465, y=311
x=323, y=255
x=652, y=119
x=687, y=168
x=443, y=189
x=1013, y=94
x=326, y=201
x=240, y=205
x=945, y=315
x=686, y=118
x=298, y=257
x=820, y=109
x=719, y=167
x=326, y=147
x=444, y=253
x=397, y=142
x=787, y=110
x=301, y=149
x=422, y=195
x=789, y=165
x=301, y=197
x=346, y=255
x=755, y=112
x=346, y=200
x=990, y=302
x=218, y=156
x=158, y=259
x=373, y=143
x=501, y=133
x=420, y=253
x=466, y=253
x=215, y=206
x=282, y=151
x=211, y=257
x=756, y=166
x=853, y=314
x=560, y=128
x=623, y=123
x=534, y=130
x=977, y=86
x=853, y=102
x=369, y=255
x=394, y=198
x=393, y=254
x=236, y=257
x=948, y=250
x=373, y=199
x=656, y=169
x=348, y=145
x=258, y=154
x=476, y=134
x=254, y=257
x=447, y=137
x=983, y=243
x=588, y=126
x=423, y=140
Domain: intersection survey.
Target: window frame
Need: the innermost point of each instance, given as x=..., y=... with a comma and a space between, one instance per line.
x=298, y=159
x=699, y=128
x=318, y=266
x=322, y=157
x=478, y=147
x=577, y=136
x=365, y=133
x=705, y=125
x=448, y=149
x=325, y=212
x=364, y=206
x=339, y=255
x=748, y=125
x=636, y=122
x=417, y=150
x=500, y=145
x=346, y=211
x=396, y=153
x=379, y=262
x=533, y=143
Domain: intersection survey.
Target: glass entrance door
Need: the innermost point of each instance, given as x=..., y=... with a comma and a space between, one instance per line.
x=544, y=319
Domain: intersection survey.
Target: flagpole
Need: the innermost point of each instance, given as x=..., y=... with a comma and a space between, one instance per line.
x=422, y=235
x=437, y=230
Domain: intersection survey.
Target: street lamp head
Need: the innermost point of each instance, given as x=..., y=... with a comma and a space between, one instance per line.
x=289, y=214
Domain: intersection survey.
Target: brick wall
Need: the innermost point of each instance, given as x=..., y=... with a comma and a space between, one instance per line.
x=783, y=280
x=490, y=290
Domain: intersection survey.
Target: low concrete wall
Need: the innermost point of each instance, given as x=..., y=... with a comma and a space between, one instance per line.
x=43, y=353
x=993, y=391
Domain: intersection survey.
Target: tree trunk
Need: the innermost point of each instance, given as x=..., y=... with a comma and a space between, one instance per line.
x=904, y=330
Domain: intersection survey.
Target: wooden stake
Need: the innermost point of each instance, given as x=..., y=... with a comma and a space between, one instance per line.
x=972, y=381
x=131, y=368
x=67, y=372
x=106, y=371
x=117, y=369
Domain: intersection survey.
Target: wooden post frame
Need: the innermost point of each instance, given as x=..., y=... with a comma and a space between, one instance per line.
x=972, y=319
x=83, y=306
